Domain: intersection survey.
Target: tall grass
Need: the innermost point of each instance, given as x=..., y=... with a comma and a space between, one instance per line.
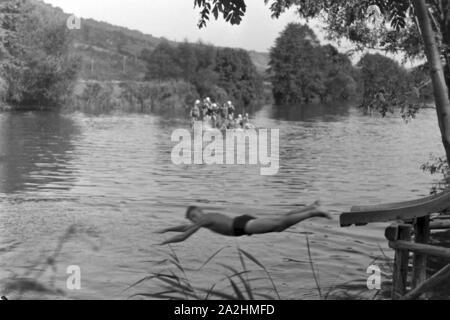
x=311, y=263
x=98, y=97
x=242, y=284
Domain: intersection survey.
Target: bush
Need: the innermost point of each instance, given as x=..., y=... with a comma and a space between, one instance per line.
x=132, y=96
x=301, y=69
x=38, y=70
x=221, y=74
x=388, y=85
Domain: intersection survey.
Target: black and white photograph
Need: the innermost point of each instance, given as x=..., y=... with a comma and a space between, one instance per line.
x=237, y=152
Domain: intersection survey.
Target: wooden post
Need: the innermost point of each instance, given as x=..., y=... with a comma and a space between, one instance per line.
x=400, y=276
x=439, y=224
x=422, y=235
x=438, y=278
x=426, y=249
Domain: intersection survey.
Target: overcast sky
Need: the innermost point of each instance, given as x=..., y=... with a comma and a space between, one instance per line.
x=177, y=20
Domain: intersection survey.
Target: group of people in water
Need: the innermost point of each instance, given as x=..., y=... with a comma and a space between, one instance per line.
x=219, y=117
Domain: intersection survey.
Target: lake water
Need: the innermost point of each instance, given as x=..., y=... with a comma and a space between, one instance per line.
x=112, y=177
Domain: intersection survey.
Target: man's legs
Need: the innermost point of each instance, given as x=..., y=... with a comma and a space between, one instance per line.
x=315, y=206
x=279, y=224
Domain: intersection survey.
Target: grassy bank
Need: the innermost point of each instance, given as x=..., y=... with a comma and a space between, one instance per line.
x=131, y=96
x=97, y=97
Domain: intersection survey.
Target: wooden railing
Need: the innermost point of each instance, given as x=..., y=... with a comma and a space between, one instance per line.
x=413, y=222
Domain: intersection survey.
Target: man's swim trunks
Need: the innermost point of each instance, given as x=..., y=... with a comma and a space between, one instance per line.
x=239, y=225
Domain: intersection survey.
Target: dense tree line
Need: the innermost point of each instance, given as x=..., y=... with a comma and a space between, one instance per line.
x=301, y=69
x=220, y=73
x=385, y=84
x=36, y=67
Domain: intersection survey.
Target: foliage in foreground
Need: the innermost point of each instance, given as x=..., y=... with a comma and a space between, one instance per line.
x=176, y=281
x=238, y=285
x=438, y=166
x=40, y=278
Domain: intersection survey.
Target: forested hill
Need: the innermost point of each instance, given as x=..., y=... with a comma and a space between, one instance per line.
x=113, y=53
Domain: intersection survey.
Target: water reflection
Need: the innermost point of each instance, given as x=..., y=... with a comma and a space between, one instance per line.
x=35, y=149
x=324, y=112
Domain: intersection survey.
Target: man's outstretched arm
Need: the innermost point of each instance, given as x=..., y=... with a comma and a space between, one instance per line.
x=181, y=237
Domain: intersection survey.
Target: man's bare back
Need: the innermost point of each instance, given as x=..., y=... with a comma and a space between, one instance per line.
x=218, y=223
x=242, y=225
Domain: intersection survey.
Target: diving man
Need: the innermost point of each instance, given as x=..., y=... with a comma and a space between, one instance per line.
x=242, y=225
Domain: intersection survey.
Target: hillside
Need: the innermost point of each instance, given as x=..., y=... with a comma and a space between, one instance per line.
x=112, y=52
x=260, y=60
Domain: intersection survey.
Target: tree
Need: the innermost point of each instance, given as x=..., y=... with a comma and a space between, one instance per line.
x=385, y=83
x=340, y=74
x=204, y=78
x=437, y=74
x=293, y=59
x=162, y=62
x=420, y=77
x=187, y=60
x=238, y=75
x=302, y=69
x=415, y=27
x=9, y=14
x=38, y=69
x=219, y=73
x=121, y=42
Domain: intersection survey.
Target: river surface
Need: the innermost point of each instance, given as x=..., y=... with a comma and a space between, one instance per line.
x=102, y=186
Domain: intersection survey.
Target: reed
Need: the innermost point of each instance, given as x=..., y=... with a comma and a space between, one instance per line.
x=100, y=97
x=242, y=284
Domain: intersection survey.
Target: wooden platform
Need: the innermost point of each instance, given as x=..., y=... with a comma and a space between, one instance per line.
x=407, y=210
x=412, y=219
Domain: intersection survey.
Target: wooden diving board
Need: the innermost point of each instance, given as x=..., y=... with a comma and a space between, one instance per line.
x=407, y=210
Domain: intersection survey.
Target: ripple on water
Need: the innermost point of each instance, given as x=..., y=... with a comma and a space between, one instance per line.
x=114, y=173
